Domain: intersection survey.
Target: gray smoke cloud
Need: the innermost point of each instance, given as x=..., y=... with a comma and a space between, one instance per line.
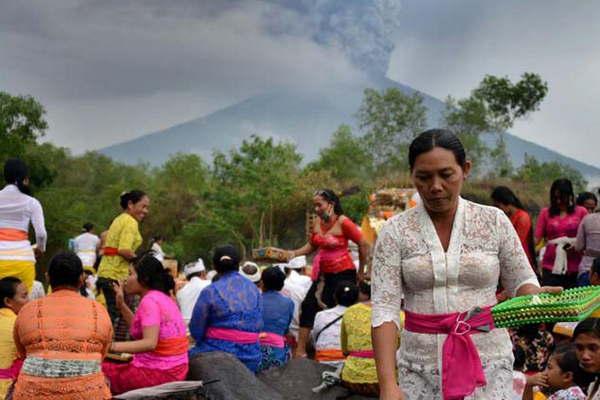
x=361, y=29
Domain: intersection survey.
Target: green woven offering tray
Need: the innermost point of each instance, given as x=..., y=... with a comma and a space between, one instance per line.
x=570, y=305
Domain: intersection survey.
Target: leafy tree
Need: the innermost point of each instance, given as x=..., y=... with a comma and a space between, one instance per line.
x=21, y=123
x=254, y=185
x=494, y=106
x=346, y=157
x=390, y=120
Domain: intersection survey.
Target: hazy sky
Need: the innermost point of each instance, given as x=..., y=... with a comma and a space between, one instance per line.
x=111, y=70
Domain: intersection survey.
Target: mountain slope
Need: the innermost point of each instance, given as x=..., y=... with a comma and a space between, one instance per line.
x=306, y=117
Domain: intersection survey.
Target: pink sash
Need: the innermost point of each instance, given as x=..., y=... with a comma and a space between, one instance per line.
x=272, y=339
x=232, y=335
x=462, y=371
x=362, y=354
x=13, y=371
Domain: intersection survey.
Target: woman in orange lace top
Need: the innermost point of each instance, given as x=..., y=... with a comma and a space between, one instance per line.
x=63, y=338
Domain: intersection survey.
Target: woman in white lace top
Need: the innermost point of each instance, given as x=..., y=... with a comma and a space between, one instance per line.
x=445, y=257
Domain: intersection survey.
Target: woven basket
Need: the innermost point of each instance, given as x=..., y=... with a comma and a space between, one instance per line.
x=571, y=305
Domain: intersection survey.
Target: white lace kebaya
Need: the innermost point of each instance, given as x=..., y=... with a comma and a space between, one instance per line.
x=409, y=261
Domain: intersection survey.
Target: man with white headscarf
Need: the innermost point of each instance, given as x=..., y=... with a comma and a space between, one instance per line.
x=187, y=296
x=296, y=287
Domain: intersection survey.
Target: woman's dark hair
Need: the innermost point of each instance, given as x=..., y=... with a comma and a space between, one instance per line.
x=8, y=289
x=133, y=196
x=88, y=226
x=565, y=189
x=273, y=279
x=153, y=275
x=157, y=238
x=583, y=196
x=365, y=288
x=432, y=138
x=346, y=294
x=329, y=196
x=590, y=326
x=65, y=269
x=15, y=172
x=520, y=358
x=226, y=258
x=503, y=195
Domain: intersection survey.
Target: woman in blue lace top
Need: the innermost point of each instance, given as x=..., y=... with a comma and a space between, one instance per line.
x=228, y=314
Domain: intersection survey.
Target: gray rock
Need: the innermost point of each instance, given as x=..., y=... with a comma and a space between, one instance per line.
x=295, y=381
x=235, y=381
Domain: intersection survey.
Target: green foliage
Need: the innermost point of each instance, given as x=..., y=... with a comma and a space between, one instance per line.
x=505, y=102
x=21, y=123
x=541, y=174
x=390, y=120
x=258, y=194
x=346, y=158
x=493, y=107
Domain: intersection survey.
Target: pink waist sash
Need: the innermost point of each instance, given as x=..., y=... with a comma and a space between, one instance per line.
x=272, y=339
x=232, y=335
x=362, y=354
x=462, y=371
x=13, y=371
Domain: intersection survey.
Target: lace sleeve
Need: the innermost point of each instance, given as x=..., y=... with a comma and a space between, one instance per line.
x=386, y=277
x=515, y=270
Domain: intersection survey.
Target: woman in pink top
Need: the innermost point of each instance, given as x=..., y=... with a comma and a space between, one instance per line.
x=558, y=225
x=160, y=344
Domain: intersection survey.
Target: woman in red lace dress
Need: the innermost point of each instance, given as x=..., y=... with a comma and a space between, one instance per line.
x=330, y=235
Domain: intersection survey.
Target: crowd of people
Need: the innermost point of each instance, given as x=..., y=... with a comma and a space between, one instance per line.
x=409, y=318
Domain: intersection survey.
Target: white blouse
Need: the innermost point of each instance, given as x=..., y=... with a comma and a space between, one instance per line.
x=17, y=210
x=409, y=261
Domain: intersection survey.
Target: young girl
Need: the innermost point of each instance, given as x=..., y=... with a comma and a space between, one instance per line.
x=560, y=377
x=587, y=345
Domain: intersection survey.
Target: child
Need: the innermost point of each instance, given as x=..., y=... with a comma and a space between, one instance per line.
x=559, y=378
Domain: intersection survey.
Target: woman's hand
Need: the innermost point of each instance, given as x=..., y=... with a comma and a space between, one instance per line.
x=551, y=289
x=392, y=393
x=119, y=295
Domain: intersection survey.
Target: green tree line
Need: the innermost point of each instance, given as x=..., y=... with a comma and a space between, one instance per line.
x=259, y=193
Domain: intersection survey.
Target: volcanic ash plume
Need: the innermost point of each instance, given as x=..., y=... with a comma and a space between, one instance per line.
x=361, y=29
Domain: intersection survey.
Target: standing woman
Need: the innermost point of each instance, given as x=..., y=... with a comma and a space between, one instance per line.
x=446, y=257
x=507, y=201
x=122, y=241
x=17, y=210
x=558, y=225
x=330, y=235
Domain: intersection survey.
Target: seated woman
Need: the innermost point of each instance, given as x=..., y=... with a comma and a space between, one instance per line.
x=228, y=314
x=160, y=345
x=359, y=373
x=63, y=338
x=327, y=328
x=278, y=311
x=13, y=296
